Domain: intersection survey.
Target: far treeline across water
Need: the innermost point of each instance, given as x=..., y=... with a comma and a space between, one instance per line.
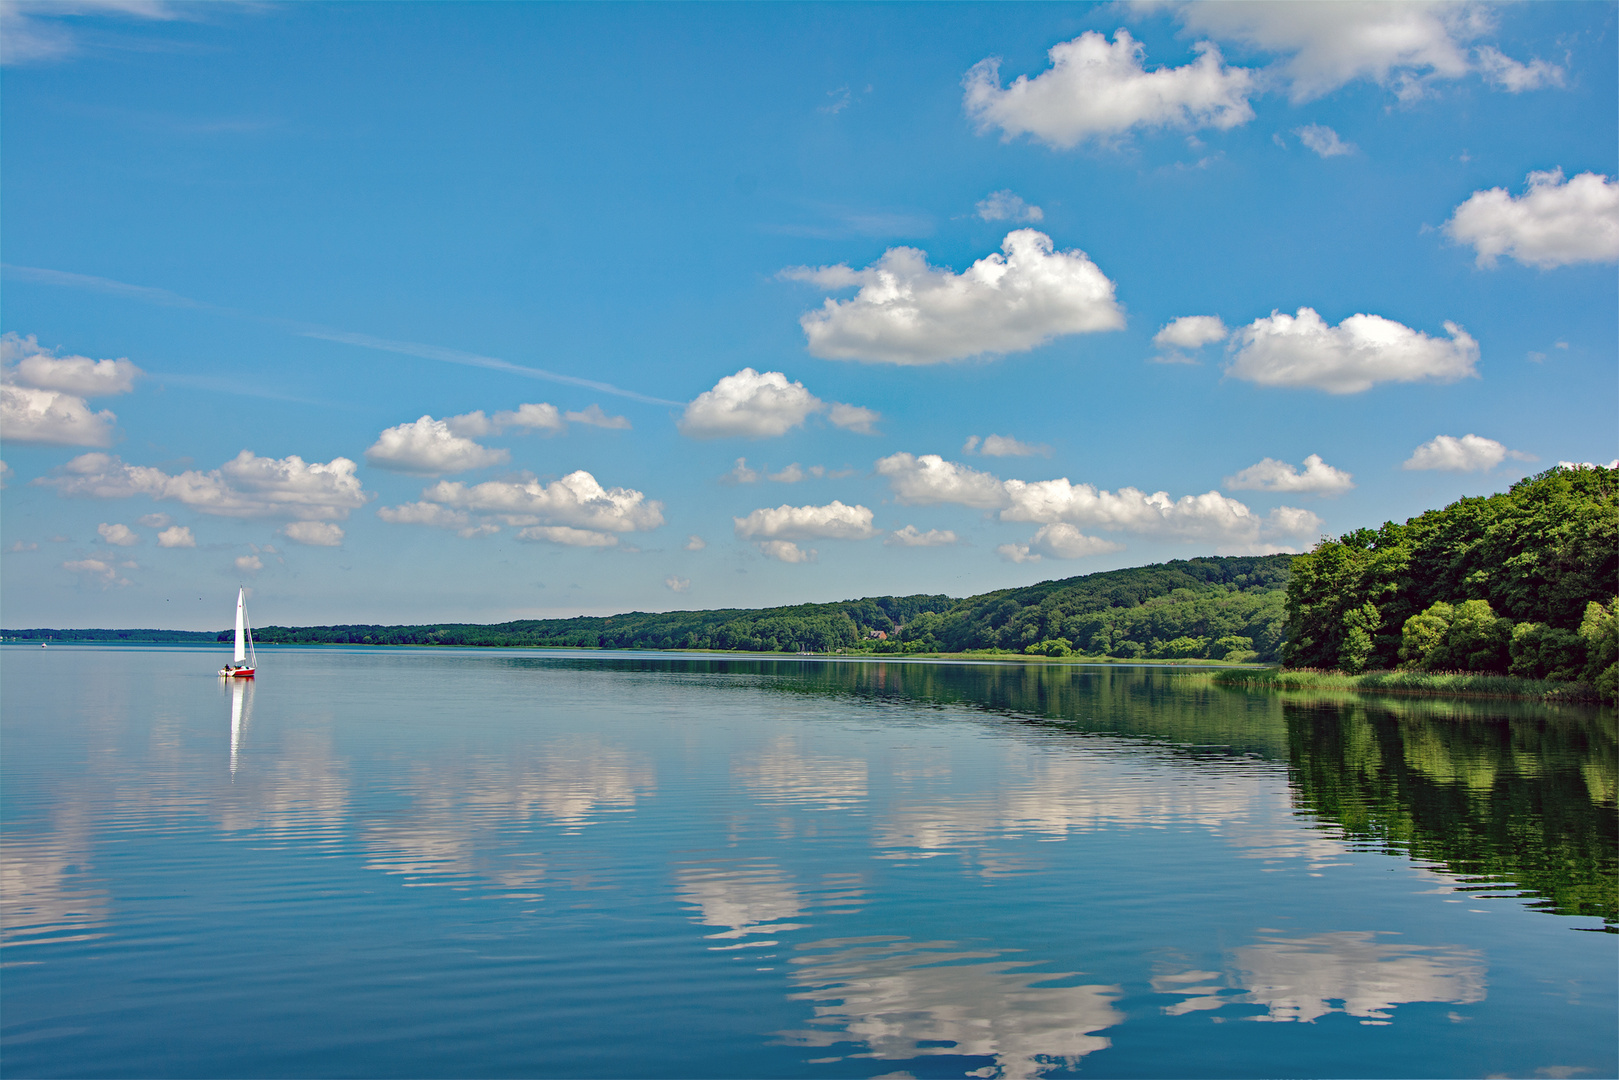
x=1524, y=583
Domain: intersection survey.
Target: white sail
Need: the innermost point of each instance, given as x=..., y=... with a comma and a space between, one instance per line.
x=241, y=628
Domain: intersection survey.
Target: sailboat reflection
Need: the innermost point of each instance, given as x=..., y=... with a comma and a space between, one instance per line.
x=241, y=713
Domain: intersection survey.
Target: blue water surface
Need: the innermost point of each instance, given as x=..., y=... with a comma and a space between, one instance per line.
x=373, y=862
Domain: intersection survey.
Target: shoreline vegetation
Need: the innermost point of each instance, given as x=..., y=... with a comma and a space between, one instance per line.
x=1514, y=595
x=1452, y=684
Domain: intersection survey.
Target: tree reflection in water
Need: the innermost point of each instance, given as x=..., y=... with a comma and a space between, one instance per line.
x=1499, y=795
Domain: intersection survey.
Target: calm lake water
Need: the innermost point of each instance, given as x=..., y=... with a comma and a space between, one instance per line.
x=491, y=863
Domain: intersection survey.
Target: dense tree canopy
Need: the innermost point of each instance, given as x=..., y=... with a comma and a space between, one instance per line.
x=1524, y=580
x=1196, y=608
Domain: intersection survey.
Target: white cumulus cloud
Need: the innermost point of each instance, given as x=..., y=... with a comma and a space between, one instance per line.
x=677, y=584
x=1361, y=351
x=929, y=479
x=1096, y=90
x=247, y=486
x=834, y=521
x=786, y=551
x=855, y=418
x=1470, y=453
x=1323, y=140
x=1005, y=206
x=249, y=564
x=577, y=500
x=121, y=535
x=42, y=395
x=176, y=536
x=1317, y=477
x=28, y=415
x=1058, y=541
x=314, y=533
x=533, y=416
x=1553, y=223
x=26, y=363
x=695, y=543
x=568, y=536
x=1191, y=332
x=911, y=536
x=1210, y=517
x=429, y=447
x=1406, y=47
x=756, y=405
x=907, y=312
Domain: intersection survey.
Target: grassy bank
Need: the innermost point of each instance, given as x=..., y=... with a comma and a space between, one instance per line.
x=1424, y=683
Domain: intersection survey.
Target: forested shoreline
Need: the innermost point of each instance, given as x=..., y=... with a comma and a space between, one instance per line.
x=1219, y=608
x=1523, y=584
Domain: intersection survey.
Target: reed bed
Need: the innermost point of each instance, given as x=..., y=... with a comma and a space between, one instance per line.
x=1426, y=683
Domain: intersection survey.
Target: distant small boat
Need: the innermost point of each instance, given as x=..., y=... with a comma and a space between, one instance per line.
x=245, y=661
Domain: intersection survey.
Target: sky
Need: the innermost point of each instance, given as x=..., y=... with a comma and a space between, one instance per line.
x=473, y=312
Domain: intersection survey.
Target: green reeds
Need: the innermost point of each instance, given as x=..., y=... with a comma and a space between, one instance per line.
x=1432, y=683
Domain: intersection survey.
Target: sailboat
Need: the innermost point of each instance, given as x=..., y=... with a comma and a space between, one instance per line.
x=244, y=661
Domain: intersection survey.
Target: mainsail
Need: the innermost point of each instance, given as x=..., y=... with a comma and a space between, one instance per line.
x=241, y=628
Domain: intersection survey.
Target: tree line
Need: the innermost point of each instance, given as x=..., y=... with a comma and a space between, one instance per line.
x=1220, y=608
x=1525, y=582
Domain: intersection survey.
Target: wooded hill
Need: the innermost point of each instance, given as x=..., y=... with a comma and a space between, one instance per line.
x=1521, y=583
x=1220, y=608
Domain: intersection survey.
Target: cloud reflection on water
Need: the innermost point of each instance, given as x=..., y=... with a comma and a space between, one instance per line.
x=1299, y=979
x=905, y=999
x=472, y=821
x=784, y=775
x=46, y=893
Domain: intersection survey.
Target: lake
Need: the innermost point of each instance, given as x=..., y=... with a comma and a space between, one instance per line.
x=375, y=862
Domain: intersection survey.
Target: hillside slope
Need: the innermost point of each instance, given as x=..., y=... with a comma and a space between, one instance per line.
x=1187, y=608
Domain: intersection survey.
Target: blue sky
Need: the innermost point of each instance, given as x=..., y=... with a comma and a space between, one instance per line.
x=441, y=312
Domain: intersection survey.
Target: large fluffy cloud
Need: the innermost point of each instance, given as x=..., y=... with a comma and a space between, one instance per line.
x=247, y=486
x=922, y=481
x=759, y=405
x=42, y=395
x=429, y=447
x=1303, y=351
x=1553, y=223
x=1470, y=453
x=1096, y=90
x=176, y=536
x=1317, y=477
x=1058, y=541
x=1209, y=517
x=1404, y=46
x=908, y=312
x=776, y=529
x=560, y=512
